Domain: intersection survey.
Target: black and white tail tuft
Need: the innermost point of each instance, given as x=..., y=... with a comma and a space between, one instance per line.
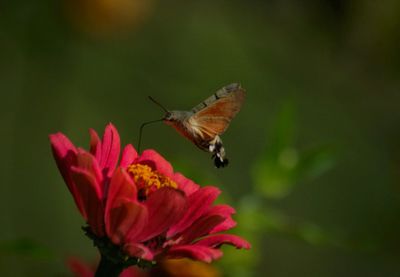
x=216, y=147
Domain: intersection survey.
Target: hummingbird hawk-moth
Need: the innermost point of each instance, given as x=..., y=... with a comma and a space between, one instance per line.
x=204, y=124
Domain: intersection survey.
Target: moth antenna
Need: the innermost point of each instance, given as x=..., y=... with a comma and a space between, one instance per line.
x=141, y=130
x=158, y=104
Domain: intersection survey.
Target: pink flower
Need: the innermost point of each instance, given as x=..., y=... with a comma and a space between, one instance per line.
x=141, y=205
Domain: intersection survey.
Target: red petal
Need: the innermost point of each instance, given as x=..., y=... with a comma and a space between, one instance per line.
x=124, y=220
x=199, y=202
x=88, y=162
x=80, y=269
x=217, y=240
x=196, y=252
x=185, y=184
x=90, y=194
x=124, y=216
x=165, y=207
x=228, y=224
x=138, y=250
x=201, y=227
x=207, y=223
x=109, y=150
x=225, y=211
x=121, y=186
x=95, y=144
x=156, y=162
x=65, y=155
x=134, y=271
x=129, y=154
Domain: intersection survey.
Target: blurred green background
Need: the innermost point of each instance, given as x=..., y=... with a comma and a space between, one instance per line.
x=315, y=151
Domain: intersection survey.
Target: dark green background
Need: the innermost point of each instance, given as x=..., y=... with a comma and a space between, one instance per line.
x=336, y=64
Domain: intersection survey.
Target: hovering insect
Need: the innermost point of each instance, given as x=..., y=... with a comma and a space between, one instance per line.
x=204, y=124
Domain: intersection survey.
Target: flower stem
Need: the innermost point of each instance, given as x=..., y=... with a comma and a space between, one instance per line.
x=108, y=268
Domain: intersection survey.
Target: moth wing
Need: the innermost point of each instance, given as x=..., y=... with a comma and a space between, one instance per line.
x=208, y=128
x=213, y=115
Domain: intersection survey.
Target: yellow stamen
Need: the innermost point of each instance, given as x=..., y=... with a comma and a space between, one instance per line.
x=149, y=180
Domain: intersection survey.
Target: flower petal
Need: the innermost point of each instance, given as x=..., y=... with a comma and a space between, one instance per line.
x=95, y=144
x=124, y=216
x=121, y=186
x=226, y=211
x=110, y=148
x=156, y=162
x=199, y=202
x=90, y=194
x=64, y=153
x=201, y=227
x=216, y=241
x=124, y=220
x=216, y=216
x=129, y=154
x=80, y=269
x=138, y=250
x=227, y=224
x=165, y=207
x=185, y=184
x=196, y=252
x=133, y=271
x=87, y=161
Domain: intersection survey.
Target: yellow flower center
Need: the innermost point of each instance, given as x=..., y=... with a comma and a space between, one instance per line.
x=148, y=180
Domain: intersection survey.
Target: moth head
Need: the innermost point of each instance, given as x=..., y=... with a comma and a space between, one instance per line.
x=172, y=117
x=168, y=116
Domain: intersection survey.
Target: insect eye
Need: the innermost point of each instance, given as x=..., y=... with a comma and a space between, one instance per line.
x=168, y=116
